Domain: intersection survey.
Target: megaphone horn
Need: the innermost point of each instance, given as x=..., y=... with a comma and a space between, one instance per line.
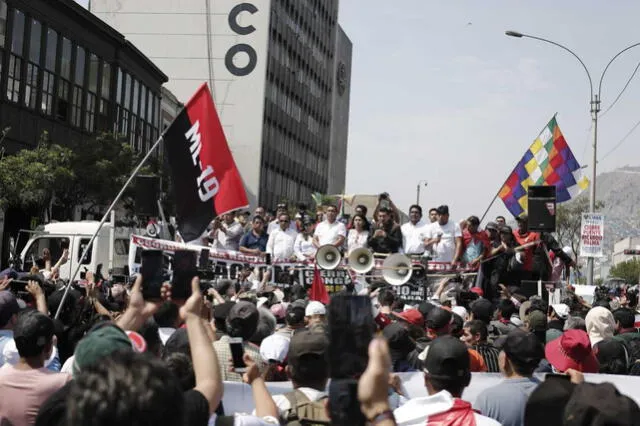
x=361, y=260
x=397, y=269
x=328, y=257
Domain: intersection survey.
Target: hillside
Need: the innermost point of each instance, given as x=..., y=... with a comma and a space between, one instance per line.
x=620, y=192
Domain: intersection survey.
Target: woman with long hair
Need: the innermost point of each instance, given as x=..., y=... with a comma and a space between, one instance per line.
x=358, y=234
x=303, y=246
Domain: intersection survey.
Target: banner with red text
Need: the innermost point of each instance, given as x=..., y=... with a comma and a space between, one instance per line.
x=592, y=235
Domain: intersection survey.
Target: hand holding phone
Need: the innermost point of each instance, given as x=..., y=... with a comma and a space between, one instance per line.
x=151, y=271
x=237, y=352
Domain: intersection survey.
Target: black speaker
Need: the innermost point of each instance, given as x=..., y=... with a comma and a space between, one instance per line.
x=147, y=194
x=542, y=208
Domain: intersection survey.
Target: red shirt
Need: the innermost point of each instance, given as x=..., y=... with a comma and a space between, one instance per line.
x=480, y=236
x=523, y=239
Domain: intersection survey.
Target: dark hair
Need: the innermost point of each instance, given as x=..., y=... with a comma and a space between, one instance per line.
x=482, y=310
x=363, y=208
x=181, y=366
x=464, y=298
x=457, y=325
x=167, y=315
x=386, y=297
x=625, y=317
x=603, y=303
x=386, y=210
x=477, y=327
x=500, y=217
x=258, y=217
x=507, y=308
x=30, y=329
x=417, y=207
x=612, y=359
x=473, y=220
x=309, y=370
x=149, y=331
x=433, y=209
x=454, y=386
x=365, y=226
x=125, y=388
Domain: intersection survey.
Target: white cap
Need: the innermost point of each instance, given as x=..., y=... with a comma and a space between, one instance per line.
x=274, y=347
x=261, y=301
x=461, y=311
x=315, y=308
x=561, y=310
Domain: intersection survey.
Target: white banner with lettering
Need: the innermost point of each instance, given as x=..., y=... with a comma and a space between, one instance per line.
x=592, y=235
x=238, y=397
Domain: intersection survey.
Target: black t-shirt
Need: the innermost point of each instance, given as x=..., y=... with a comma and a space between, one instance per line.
x=53, y=411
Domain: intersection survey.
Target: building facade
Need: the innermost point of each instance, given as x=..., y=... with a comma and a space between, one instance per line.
x=629, y=243
x=273, y=69
x=65, y=72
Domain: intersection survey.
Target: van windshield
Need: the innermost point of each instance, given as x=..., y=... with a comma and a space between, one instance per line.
x=55, y=245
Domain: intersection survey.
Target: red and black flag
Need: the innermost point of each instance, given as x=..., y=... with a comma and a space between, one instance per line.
x=205, y=177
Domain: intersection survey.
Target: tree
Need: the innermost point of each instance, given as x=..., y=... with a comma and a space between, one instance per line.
x=628, y=271
x=568, y=222
x=30, y=178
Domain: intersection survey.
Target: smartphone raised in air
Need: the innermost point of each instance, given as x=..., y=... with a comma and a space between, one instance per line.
x=184, y=269
x=237, y=351
x=152, y=274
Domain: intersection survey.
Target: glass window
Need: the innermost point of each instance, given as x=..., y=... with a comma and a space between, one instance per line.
x=3, y=22
x=94, y=64
x=83, y=246
x=136, y=93
x=47, y=92
x=106, y=80
x=119, y=87
x=36, y=36
x=52, y=47
x=55, y=245
x=127, y=91
x=150, y=99
x=31, y=88
x=80, y=64
x=65, y=59
x=143, y=102
x=17, y=41
x=13, y=80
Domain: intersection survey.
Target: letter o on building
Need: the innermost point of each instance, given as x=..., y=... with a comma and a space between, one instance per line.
x=238, y=71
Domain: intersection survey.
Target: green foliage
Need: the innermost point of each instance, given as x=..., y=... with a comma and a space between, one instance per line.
x=628, y=271
x=30, y=179
x=323, y=199
x=568, y=222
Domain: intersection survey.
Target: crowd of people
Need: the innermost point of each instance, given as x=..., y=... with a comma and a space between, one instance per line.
x=112, y=357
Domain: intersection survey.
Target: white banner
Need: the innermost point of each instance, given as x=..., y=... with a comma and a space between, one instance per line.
x=592, y=235
x=238, y=397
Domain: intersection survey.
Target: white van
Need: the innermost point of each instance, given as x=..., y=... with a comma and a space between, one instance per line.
x=110, y=248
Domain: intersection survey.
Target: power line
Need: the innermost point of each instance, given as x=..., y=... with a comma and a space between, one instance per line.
x=622, y=91
x=633, y=129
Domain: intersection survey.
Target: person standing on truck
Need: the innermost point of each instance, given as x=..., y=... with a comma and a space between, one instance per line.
x=226, y=233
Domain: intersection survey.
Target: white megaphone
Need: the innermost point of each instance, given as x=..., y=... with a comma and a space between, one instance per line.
x=361, y=260
x=396, y=269
x=328, y=257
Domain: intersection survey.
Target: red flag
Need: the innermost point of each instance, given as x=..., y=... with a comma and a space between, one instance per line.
x=206, y=180
x=318, y=291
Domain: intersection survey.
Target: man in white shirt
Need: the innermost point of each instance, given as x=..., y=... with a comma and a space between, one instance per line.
x=414, y=232
x=280, y=243
x=444, y=238
x=446, y=375
x=275, y=224
x=227, y=233
x=330, y=231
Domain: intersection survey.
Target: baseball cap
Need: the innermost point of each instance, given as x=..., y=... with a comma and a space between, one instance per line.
x=572, y=350
x=412, y=316
x=399, y=341
x=600, y=404
x=461, y=311
x=523, y=348
x=561, y=310
x=221, y=311
x=448, y=359
x=307, y=342
x=444, y=209
x=32, y=332
x=274, y=348
x=492, y=225
x=295, y=315
x=315, y=308
x=8, y=307
x=477, y=290
x=482, y=309
x=243, y=311
x=99, y=344
x=537, y=321
x=438, y=319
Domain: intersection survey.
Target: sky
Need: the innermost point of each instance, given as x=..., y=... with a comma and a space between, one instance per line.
x=439, y=93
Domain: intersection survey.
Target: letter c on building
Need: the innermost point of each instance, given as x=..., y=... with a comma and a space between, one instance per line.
x=233, y=18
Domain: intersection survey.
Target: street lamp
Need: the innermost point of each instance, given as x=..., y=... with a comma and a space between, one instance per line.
x=595, y=109
x=420, y=183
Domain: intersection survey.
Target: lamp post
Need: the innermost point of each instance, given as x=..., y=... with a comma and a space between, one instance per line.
x=595, y=109
x=420, y=183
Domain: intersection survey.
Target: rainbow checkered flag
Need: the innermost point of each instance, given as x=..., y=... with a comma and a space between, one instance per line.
x=548, y=161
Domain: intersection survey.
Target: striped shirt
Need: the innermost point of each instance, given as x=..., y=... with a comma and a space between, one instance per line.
x=490, y=355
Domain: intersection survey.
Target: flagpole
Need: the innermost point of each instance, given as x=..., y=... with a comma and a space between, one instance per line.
x=509, y=175
x=104, y=219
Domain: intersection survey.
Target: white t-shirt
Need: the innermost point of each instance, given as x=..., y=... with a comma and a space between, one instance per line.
x=356, y=240
x=303, y=248
x=280, y=243
x=446, y=248
x=328, y=233
x=413, y=237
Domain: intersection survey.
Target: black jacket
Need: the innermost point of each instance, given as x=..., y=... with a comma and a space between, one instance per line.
x=390, y=243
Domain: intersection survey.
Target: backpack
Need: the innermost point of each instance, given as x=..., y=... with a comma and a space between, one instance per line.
x=305, y=412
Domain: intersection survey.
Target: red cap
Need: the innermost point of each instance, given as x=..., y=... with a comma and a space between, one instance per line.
x=572, y=350
x=477, y=290
x=412, y=316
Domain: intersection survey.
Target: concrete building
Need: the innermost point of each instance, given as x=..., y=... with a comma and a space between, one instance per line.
x=65, y=72
x=618, y=256
x=280, y=77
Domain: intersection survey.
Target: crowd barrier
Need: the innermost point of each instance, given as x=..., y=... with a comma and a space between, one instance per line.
x=238, y=397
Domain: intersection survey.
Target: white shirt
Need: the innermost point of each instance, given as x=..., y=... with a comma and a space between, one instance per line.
x=280, y=243
x=304, y=248
x=231, y=239
x=413, y=237
x=356, y=240
x=446, y=248
x=165, y=333
x=416, y=411
x=328, y=233
x=275, y=224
